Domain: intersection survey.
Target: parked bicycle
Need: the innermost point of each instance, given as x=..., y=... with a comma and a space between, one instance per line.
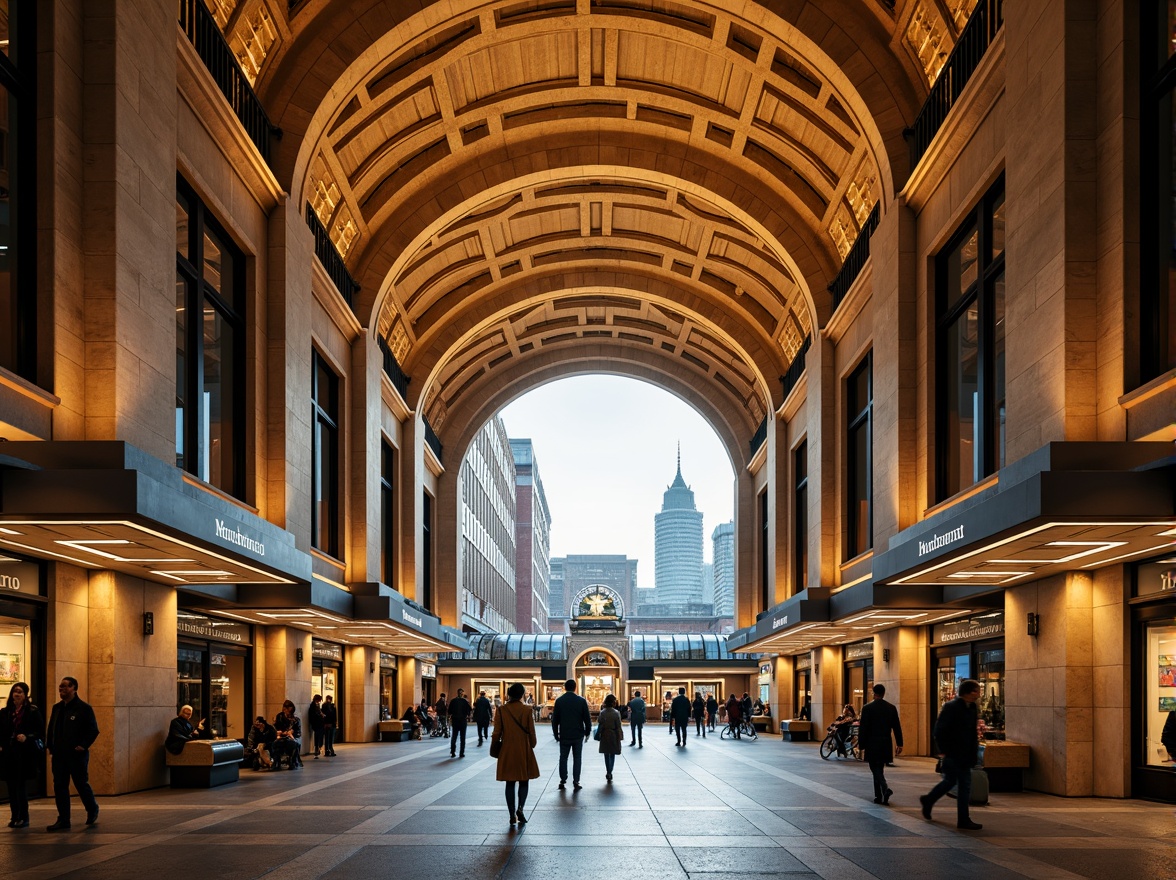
x=746, y=729
x=831, y=743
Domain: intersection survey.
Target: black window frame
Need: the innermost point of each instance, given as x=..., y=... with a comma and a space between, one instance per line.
x=765, y=570
x=388, y=513
x=800, y=517
x=1157, y=279
x=981, y=294
x=426, y=594
x=859, y=418
x=198, y=292
x=325, y=408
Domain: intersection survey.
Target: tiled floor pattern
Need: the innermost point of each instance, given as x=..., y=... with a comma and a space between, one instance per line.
x=753, y=810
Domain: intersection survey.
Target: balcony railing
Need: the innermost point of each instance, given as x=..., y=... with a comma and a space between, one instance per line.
x=760, y=435
x=392, y=369
x=796, y=368
x=432, y=439
x=977, y=36
x=205, y=36
x=325, y=250
x=855, y=260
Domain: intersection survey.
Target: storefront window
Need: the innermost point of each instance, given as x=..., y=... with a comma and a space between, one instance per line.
x=951, y=669
x=990, y=672
x=15, y=648
x=804, y=694
x=1159, y=689
x=190, y=681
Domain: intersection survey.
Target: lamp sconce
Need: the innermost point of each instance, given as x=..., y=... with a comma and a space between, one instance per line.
x=297, y=655
x=372, y=666
x=885, y=655
x=1034, y=622
x=148, y=623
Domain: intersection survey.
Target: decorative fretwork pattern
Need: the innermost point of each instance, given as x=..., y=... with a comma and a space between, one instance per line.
x=252, y=39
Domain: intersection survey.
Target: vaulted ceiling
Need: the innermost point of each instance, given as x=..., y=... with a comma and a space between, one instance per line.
x=677, y=181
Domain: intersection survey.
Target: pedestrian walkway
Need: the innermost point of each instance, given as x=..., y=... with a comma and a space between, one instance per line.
x=758, y=810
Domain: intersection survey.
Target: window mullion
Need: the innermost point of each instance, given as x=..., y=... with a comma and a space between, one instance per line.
x=195, y=330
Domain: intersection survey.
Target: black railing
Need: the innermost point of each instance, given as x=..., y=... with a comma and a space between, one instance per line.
x=977, y=36
x=855, y=260
x=796, y=368
x=327, y=254
x=432, y=439
x=205, y=35
x=760, y=435
x=392, y=369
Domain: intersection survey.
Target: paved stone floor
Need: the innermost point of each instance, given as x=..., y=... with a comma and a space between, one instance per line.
x=757, y=810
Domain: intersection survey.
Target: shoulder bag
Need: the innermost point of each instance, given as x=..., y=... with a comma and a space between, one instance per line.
x=496, y=744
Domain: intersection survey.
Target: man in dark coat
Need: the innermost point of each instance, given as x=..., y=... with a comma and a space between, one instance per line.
x=330, y=725
x=712, y=710
x=636, y=719
x=879, y=719
x=571, y=725
x=459, y=714
x=680, y=715
x=72, y=730
x=958, y=741
x=483, y=713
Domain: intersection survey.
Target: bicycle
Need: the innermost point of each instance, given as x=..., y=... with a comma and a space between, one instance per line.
x=746, y=730
x=830, y=744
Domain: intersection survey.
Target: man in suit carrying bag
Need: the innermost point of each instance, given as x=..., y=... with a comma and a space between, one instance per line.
x=571, y=725
x=72, y=730
x=958, y=740
x=878, y=720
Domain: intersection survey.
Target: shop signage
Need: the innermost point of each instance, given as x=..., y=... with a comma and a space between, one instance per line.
x=18, y=576
x=326, y=650
x=860, y=650
x=428, y=670
x=804, y=661
x=232, y=534
x=415, y=619
x=937, y=542
x=984, y=626
x=780, y=621
x=388, y=661
x=189, y=624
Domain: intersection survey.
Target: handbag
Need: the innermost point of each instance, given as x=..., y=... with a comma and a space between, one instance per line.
x=496, y=744
x=596, y=733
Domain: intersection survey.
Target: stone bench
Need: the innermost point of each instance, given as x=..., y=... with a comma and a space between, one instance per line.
x=762, y=723
x=395, y=731
x=1005, y=763
x=796, y=731
x=206, y=762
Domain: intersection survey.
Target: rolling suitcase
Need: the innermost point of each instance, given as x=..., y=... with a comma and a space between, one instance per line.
x=979, y=787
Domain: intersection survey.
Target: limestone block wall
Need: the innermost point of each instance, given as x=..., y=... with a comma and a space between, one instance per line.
x=363, y=694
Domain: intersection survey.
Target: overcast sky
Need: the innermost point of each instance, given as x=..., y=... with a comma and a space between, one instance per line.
x=606, y=450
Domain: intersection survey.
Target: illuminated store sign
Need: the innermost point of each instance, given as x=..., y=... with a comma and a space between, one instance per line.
x=938, y=542
x=234, y=535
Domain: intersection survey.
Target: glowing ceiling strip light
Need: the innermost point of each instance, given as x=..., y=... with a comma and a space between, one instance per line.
x=1095, y=547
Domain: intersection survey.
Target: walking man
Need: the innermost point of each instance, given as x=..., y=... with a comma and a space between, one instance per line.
x=712, y=709
x=958, y=741
x=483, y=712
x=72, y=730
x=878, y=720
x=330, y=725
x=636, y=719
x=680, y=715
x=459, y=712
x=571, y=725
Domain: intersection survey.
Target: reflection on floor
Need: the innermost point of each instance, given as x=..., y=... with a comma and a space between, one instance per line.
x=759, y=810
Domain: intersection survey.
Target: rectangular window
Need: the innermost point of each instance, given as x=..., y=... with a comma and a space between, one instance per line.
x=800, y=518
x=210, y=343
x=859, y=395
x=765, y=580
x=426, y=594
x=324, y=526
x=971, y=349
x=18, y=222
x=1157, y=283
x=387, y=515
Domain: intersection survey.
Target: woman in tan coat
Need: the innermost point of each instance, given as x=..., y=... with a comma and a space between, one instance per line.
x=611, y=734
x=514, y=731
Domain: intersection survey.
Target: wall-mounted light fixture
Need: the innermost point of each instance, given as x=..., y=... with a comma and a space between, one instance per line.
x=885, y=655
x=1034, y=623
x=148, y=623
x=372, y=666
x=297, y=655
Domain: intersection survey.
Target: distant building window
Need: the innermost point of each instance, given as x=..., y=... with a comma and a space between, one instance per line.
x=800, y=518
x=324, y=525
x=970, y=348
x=1157, y=284
x=210, y=347
x=18, y=222
x=860, y=466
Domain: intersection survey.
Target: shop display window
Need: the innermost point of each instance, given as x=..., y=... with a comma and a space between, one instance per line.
x=212, y=680
x=14, y=653
x=1159, y=690
x=990, y=672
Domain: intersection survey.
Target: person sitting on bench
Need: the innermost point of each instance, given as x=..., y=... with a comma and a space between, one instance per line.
x=288, y=742
x=257, y=743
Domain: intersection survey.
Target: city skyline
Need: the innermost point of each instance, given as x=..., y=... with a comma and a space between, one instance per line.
x=608, y=447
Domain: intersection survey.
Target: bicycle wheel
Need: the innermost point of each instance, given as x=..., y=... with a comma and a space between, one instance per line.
x=751, y=731
x=828, y=747
x=725, y=732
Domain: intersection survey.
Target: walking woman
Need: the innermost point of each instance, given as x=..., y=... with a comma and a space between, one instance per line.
x=698, y=710
x=514, y=740
x=611, y=734
x=22, y=745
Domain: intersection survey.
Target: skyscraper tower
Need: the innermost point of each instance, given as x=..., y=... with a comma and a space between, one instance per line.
x=723, y=554
x=677, y=547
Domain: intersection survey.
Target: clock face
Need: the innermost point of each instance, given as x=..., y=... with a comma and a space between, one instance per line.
x=597, y=603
